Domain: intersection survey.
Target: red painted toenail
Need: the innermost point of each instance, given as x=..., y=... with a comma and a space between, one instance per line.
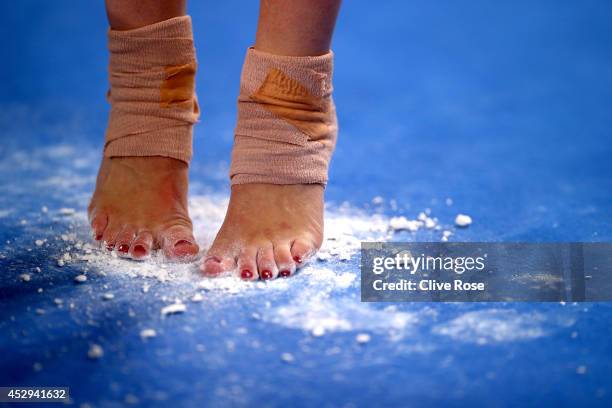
x=109, y=247
x=266, y=274
x=123, y=248
x=140, y=250
x=246, y=274
x=297, y=259
x=285, y=273
x=98, y=237
x=182, y=242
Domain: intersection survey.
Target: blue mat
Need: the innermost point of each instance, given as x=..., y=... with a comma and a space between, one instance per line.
x=503, y=108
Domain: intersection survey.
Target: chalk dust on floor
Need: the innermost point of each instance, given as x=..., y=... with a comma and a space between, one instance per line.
x=323, y=296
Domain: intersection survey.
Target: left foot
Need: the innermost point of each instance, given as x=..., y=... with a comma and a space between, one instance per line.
x=269, y=230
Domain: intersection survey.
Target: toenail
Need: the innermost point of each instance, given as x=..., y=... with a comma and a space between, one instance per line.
x=212, y=258
x=140, y=250
x=109, y=247
x=297, y=259
x=285, y=273
x=98, y=237
x=182, y=242
x=266, y=274
x=123, y=248
x=246, y=274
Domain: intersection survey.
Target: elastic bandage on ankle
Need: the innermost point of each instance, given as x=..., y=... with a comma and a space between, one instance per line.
x=152, y=91
x=286, y=129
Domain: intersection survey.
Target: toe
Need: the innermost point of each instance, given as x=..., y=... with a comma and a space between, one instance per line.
x=141, y=245
x=301, y=251
x=219, y=258
x=98, y=225
x=284, y=259
x=217, y=264
x=247, y=263
x=178, y=243
x=124, y=240
x=266, y=266
x=109, y=237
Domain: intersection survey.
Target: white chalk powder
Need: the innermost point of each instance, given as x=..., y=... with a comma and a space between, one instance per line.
x=287, y=358
x=80, y=278
x=498, y=325
x=173, y=309
x=95, y=352
x=324, y=301
x=146, y=334
x=462, y=220
x=402, y=223
x=66, y=211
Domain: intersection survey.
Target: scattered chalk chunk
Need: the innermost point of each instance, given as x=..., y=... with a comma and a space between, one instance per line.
x=25, y=277
x=287, y=358
x=197, y=298
x=95, y=352
x=108, y=296
x=323, y=256
x=80, y=278
x=173, y=309
x=66, y=211
x=147, y=334
x=60, y=262
x=430, y=223
x=39, y=242
x=363, y=338
x=463, y=220
x=402, y=223
x=318, y=331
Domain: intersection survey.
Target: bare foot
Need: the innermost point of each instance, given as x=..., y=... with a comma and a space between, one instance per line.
x=268, y=231
x=140, y=204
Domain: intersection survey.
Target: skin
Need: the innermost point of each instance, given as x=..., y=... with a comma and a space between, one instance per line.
x=270, y=230
x=140, y=203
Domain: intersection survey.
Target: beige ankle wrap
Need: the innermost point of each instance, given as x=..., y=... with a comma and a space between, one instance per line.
x=286, y=129
x=152, y=90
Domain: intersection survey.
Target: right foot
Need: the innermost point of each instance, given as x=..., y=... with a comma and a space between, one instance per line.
x=140, y=204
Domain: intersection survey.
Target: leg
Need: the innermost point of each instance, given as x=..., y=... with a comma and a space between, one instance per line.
x=270, y=228
x=128, y=14
x=296, y=27
x=140, y=200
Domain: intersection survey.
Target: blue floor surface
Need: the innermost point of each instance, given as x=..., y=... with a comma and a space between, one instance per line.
x=502, y=107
